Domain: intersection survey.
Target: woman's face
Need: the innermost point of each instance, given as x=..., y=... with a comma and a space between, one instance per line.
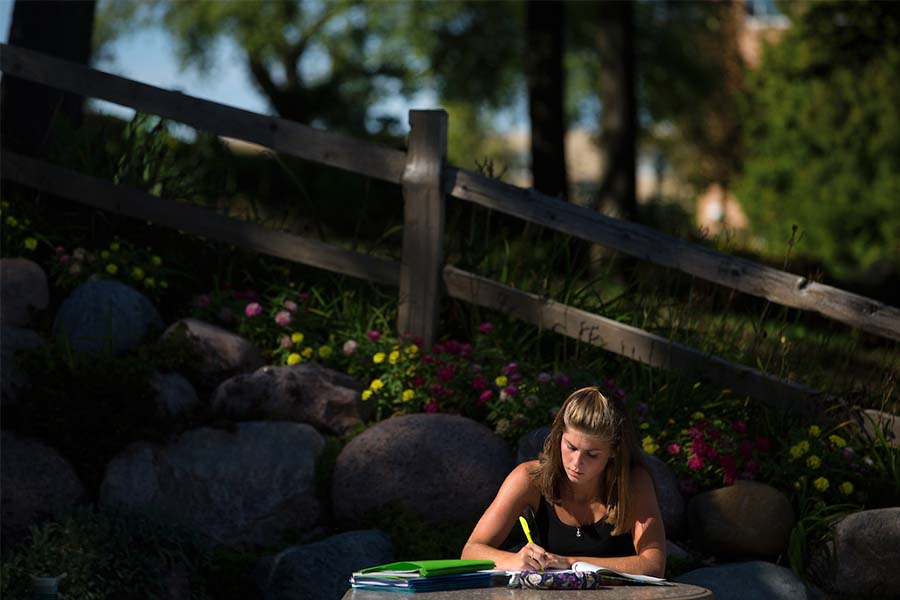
x=584, y=456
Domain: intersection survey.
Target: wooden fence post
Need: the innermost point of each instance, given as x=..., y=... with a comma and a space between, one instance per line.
x=423, y=225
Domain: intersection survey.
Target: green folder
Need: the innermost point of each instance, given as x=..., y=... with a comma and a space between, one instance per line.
x=426, y=568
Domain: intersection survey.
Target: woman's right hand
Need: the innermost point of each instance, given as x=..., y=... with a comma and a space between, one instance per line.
x=532, y=558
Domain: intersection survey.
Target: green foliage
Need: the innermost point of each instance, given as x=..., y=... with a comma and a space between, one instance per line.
x=823, y=137
x=104, y=555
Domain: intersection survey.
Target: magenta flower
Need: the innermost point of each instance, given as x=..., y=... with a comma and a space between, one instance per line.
x=695, y=463
x=515, y=377
x=283, y=318
x=253, y=309
x=445, y=373
x=699, y=448
x=451, y=347
x=745, y=449
x=431, y=407
x=739, y=426
x=562, y=379
x=485, y=396
x=373, y=335
x=479, y=383
x=510, y=391
x=510, y=368
x=486, y=328
x=673, y=449
x=290, y=305
x=418, y=381
x=610, y=386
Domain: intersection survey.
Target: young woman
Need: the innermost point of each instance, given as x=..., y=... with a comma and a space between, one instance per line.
x=593, y=497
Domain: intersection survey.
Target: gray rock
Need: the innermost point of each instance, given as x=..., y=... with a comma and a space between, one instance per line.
x=222, y=353
x=12, y=378
x=668, y=495
x=531, y=444
x=106, y=314
x=321, y=570
x=23, y=289
x=864, y=555
x=175, y=396
x=674, y=551
x=445, y=468
x=877, y=424
x=671, y=502
x=36, y=484
x=747, y=519
x=753, y=580
x=306, y=393
x=249, y=486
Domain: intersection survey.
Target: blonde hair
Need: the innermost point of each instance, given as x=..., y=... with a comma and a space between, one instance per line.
x=589, y=411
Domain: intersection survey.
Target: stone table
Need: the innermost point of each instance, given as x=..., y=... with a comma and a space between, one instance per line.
x=679, y=591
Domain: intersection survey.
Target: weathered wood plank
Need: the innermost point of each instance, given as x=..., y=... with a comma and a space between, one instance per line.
x=423, y=225
x=647, y=244
x=195, y=220
x=628, y=341
x=335, y=150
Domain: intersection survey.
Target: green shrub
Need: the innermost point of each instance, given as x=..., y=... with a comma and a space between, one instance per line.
x=104, y=555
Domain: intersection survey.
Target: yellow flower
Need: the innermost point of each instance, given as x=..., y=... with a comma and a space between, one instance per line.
x=501, y=381
x=645, y=425
x=814, y=431
x=378, y=358
x=821, y=484
x=697, y=415
x=837, y=440
x=846, y=488
x=670, y=422
x=308, y=352
x=137, y=273
x=797, y=485
x=112, y=269
x=718, y=422
x=104, y=254
x=366, y=394
x=412, y=349
x=163, y=284
x=30, y=243
x=114, y=246
x=813, y=462
x=376, y=385
x=297, y=337
x=411, y=370
x=293, y=358
x=394, y=357
x=408, y=395
x=156, y=260
x=150, y=282
x=650, y=446
x=11, y=221
x=783, y=340
x=325, y=351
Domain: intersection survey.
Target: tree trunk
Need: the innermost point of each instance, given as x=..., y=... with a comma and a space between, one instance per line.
x=60, y=29
x=618, y=122
x=544, y=71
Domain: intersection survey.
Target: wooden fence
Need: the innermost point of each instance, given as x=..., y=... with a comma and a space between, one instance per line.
x=421, y=275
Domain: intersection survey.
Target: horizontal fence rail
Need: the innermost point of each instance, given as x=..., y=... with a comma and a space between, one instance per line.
x=664, y=250
x=195, y=220
x=628, y=341
x=302, y=141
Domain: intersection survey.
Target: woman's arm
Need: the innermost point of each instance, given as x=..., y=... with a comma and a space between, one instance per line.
x=498, y=520
x=648, y=535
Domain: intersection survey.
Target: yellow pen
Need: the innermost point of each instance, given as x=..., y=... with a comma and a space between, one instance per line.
x=527, y=531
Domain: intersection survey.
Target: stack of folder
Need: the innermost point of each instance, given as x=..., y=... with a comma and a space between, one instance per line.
x=425, y=576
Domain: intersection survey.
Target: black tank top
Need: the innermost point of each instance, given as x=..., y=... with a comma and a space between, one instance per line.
x=596, y=540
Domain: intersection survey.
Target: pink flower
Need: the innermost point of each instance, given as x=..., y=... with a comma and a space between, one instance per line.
x=202, y=301
x=451, y=347
x=485, y=396
x=253, y=309
x=673, y=449
x=373, y=335
x=739, y=426
x=479, y=382
x=350, y=347
x=544, y=377
x=699, y=448
x=695, y=463
x=431, y=407
x=562, y=379
x=486, y=328
x=516, y=377
x=286, y=341
x=290, y=305
x=283, y=318
x=510, y=368
x=510, y=390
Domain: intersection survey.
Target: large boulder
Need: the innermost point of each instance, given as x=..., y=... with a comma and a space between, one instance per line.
x=863, y=554
x=23, y=290
x=36, y=484
x=752, y=580
x=106, y=314
x=307, y=393
x=668, y=495
x=175, y=396
x=222, y=353
x=531, y=444
x=248, y=486
x=321, y=571
x=13, y=379
x=445, y=468
x=747, y=519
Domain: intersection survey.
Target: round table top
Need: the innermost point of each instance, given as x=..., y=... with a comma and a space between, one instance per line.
x=679, y=591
